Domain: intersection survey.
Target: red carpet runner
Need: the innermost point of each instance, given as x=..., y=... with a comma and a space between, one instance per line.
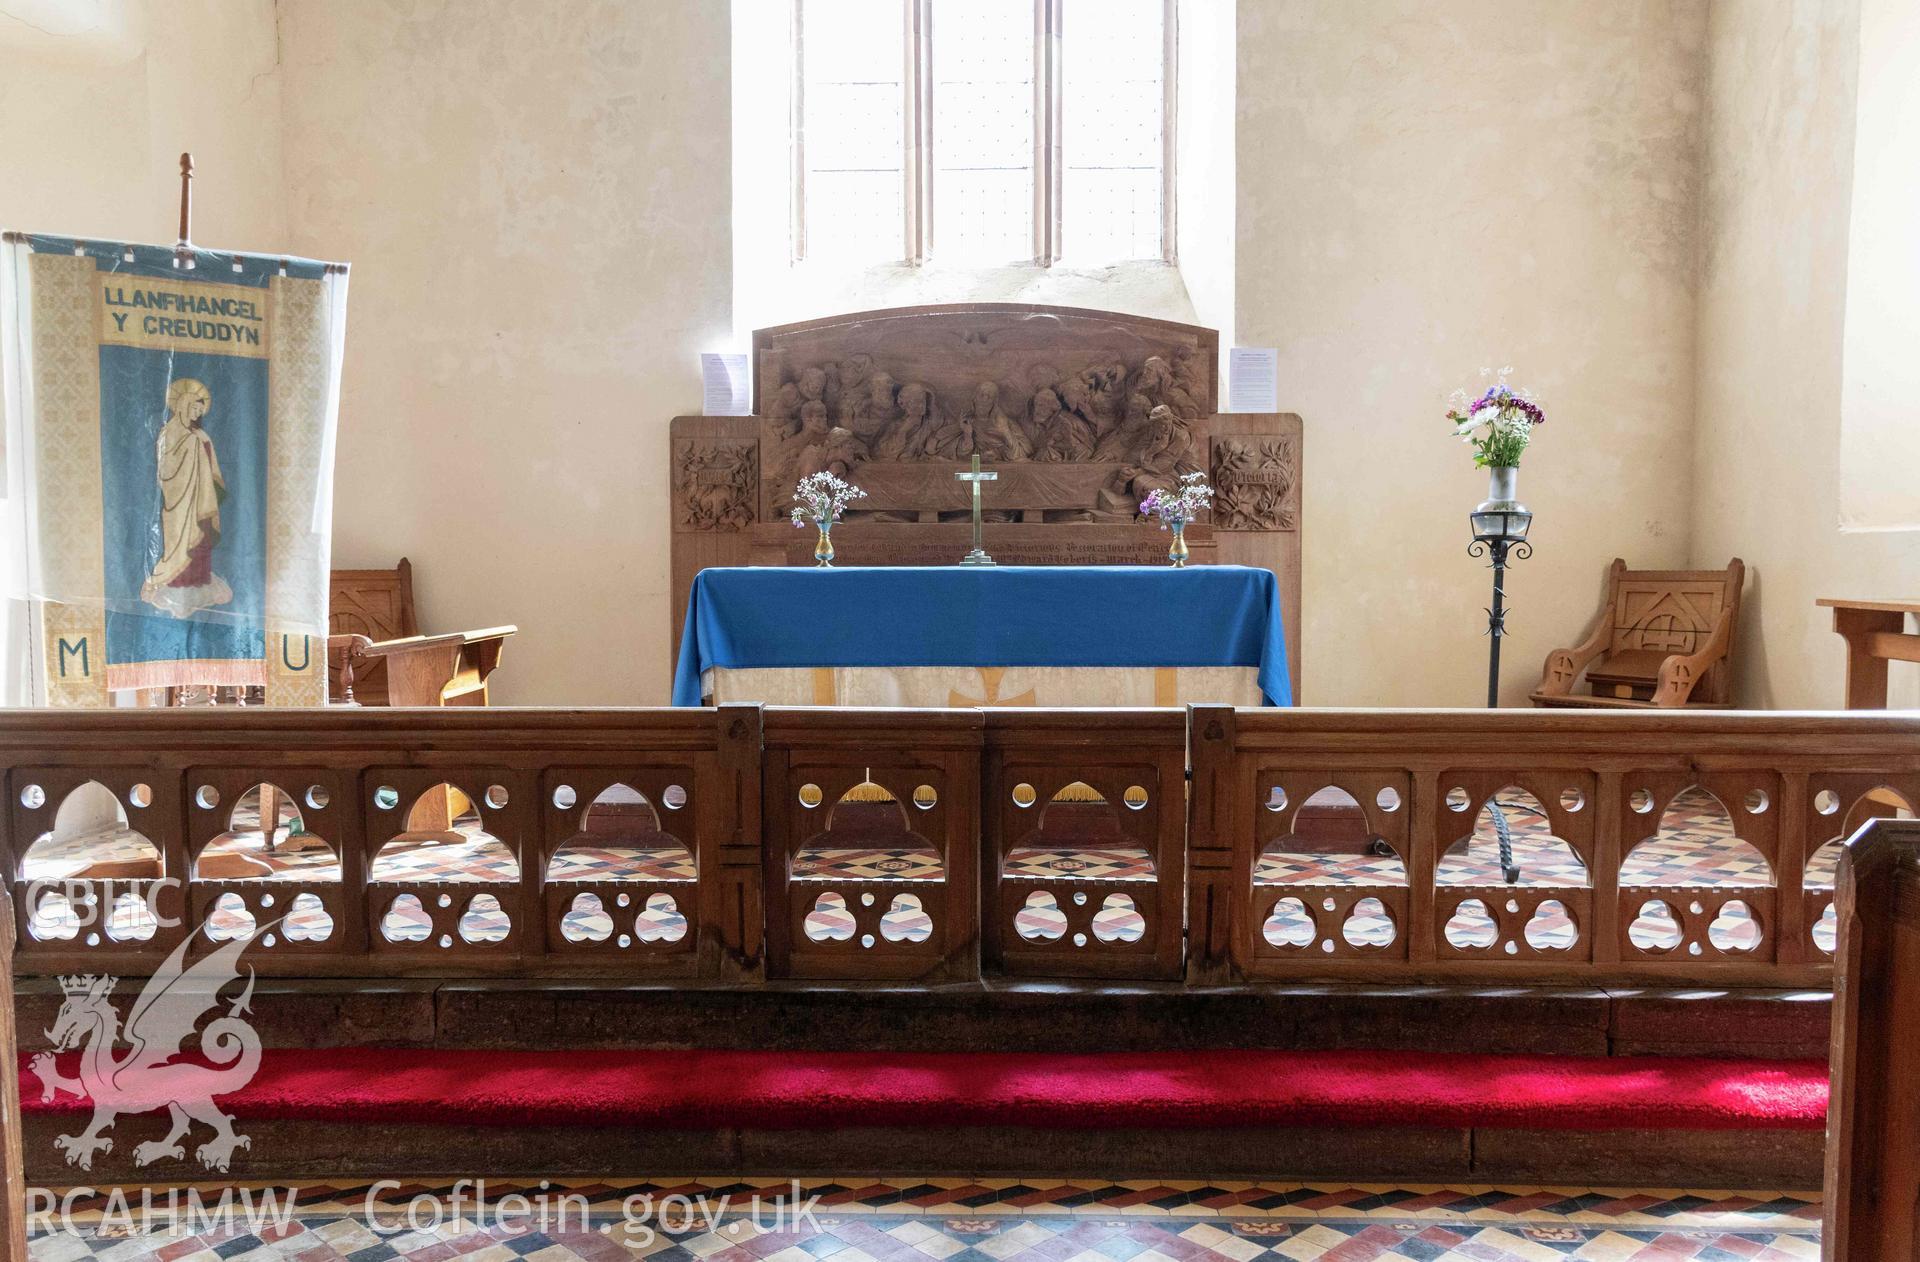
x=710, y=1090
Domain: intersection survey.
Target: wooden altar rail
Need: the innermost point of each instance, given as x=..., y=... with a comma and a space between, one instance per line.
x=1873, y=1116
x=886, y=844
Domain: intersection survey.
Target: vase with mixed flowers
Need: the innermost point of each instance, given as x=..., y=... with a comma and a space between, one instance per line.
x=1176, y=506
x=818, y=500
x=1498, y=425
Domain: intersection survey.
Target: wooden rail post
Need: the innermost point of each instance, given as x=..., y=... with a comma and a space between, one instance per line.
x=1212, y=918
x=733, y=945
x=13, y=1181
x=1873, y=1113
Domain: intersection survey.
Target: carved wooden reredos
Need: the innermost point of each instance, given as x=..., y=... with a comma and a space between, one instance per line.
x=1081, y=412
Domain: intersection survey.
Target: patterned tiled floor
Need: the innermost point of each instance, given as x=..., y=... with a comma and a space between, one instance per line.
x=1091, y=863
x=963, y=1220
x=867, y=863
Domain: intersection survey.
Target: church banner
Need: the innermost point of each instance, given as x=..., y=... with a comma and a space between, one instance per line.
x=170, y=434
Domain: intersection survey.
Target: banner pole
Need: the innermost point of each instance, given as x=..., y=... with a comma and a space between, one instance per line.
x=186, y=201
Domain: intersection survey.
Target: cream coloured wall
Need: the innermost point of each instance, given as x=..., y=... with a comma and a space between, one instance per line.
x=1880, y=387
x=99, y=107
x=1773, y=302
x=535, y=202
x=1426, y=189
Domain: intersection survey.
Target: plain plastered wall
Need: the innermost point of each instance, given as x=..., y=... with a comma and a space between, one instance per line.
x=97, y=117
x=1429, y=189
x=1773, y=302
x=1880, y=386
x=535, y=202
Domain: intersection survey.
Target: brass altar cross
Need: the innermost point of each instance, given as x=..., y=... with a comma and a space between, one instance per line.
x=979, y=554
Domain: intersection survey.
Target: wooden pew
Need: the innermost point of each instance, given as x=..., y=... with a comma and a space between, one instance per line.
x=1873, y=1117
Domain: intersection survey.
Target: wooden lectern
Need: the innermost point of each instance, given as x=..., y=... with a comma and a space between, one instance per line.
x=377, y=656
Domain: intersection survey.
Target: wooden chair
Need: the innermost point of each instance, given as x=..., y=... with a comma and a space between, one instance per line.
x=377, y=656
x=1662, y=639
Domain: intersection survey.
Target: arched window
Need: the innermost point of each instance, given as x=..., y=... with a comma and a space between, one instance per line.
x=981, y=132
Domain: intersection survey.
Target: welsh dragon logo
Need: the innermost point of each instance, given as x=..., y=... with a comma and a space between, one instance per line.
x=148, y=1077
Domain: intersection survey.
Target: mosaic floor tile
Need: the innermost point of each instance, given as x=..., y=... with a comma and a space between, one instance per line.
x=1089, y=863
x=834, y=863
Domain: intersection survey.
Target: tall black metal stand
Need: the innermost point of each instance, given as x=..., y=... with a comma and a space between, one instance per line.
x=1500, y=537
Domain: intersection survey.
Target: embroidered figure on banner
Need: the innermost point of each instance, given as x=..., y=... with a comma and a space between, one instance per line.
x=191, y=488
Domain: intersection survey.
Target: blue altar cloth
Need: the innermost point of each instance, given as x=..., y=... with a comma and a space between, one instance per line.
x=1003, y=615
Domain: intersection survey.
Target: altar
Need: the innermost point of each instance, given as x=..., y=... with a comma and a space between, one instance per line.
x=1076, y=416
x=984, y=635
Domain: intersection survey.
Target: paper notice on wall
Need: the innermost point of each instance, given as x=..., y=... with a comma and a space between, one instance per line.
x=1253, y=379
x=724, y=379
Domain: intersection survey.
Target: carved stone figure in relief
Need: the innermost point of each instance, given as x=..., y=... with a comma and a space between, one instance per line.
x=1128, y=439
x=852, y=374
x=813, y=385
x=1189, y=384
x=873, y=411
x=1170, y=449
x=1152, y=378
x=1167, y=451
x=1042, y=411
x=904, y=437
x=1060, y=434
x=1074, y=399
x=841, y=451
x=830, y=373
x=995, y=434
x=1106, y=394
x=785, y=412
x=950, y=439
x=799, y=449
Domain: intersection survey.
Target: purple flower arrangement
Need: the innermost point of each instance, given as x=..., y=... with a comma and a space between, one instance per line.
x=1498, y=424
x=1176, y=506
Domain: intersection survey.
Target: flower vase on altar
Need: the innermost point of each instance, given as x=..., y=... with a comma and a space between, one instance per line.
x=819, y=499
x=1176, y=507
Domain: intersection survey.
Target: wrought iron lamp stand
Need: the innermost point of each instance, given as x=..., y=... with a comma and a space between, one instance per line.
x=1500, y=535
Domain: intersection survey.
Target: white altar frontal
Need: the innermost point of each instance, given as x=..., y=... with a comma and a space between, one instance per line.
x=945, y=686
